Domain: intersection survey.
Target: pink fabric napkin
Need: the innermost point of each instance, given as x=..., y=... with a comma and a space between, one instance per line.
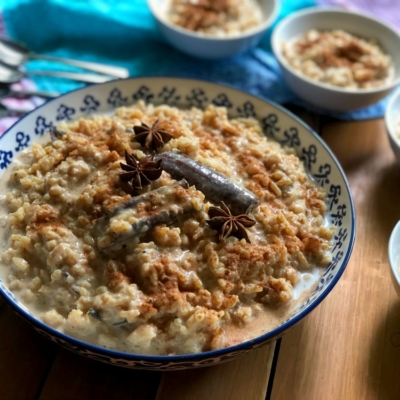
x=29, y=103
x=14, y=103
x=387, y=10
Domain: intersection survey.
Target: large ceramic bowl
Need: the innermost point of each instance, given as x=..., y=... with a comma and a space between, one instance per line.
x=327, y=96
x=278, y=124
x=208, y=46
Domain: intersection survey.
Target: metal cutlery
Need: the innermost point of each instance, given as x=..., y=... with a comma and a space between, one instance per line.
x=16, y=54
x=12, y=75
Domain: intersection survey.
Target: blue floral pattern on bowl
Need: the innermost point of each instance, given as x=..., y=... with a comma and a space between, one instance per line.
x=278, y=124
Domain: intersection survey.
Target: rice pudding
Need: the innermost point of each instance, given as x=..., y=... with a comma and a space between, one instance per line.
x=340, y=59
x=161, y=231
x=216, y=17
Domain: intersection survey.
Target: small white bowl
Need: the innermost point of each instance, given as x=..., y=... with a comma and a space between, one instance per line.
x=327, y=96
x=392, y=118
x=394, y=257
x=208, y=46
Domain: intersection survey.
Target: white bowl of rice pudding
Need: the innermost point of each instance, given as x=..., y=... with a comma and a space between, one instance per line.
x=394, y=257
x=392, y=121
x=169, y=235
x=337, y=59
x=214, y=29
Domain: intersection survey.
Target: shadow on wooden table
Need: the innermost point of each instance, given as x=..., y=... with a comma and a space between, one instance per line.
x=384, y=357
x=386, y=199
x=387, y=195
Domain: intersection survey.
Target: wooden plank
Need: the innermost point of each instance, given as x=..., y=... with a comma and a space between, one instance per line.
x=25, y=357
x=245, y=378
x=77, y=377
x=349, y=347
x=315, y=121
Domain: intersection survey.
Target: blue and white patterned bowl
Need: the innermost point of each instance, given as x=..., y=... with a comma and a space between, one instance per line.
x=278, y=124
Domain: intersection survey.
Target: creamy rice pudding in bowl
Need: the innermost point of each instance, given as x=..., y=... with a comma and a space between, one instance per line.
x=337, y=59
x=167, y=223
x=214, y=29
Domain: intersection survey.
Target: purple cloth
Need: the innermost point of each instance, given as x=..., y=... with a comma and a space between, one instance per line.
x=387, y=10
x=2, y=26
x=21, y=103
x=29, y=103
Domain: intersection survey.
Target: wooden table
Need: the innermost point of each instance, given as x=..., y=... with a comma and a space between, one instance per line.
x=348, y=348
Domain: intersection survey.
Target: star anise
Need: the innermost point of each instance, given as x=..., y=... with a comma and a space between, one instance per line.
x=140, y=172
x=151, y=137
x=222, y=220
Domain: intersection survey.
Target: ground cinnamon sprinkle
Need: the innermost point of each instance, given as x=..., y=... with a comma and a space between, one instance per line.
x=340, y=59
x=216, y=17
x=202, y=14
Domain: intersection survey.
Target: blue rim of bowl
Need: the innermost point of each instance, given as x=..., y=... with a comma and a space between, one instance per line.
x=321, y=10
x=213, y=353
x=269, y=21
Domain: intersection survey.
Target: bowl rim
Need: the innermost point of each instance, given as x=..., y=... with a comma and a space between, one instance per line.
x=193, y=357
x=392, y=259
x=212, y=38
x=327, y=10
x=389, y=109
